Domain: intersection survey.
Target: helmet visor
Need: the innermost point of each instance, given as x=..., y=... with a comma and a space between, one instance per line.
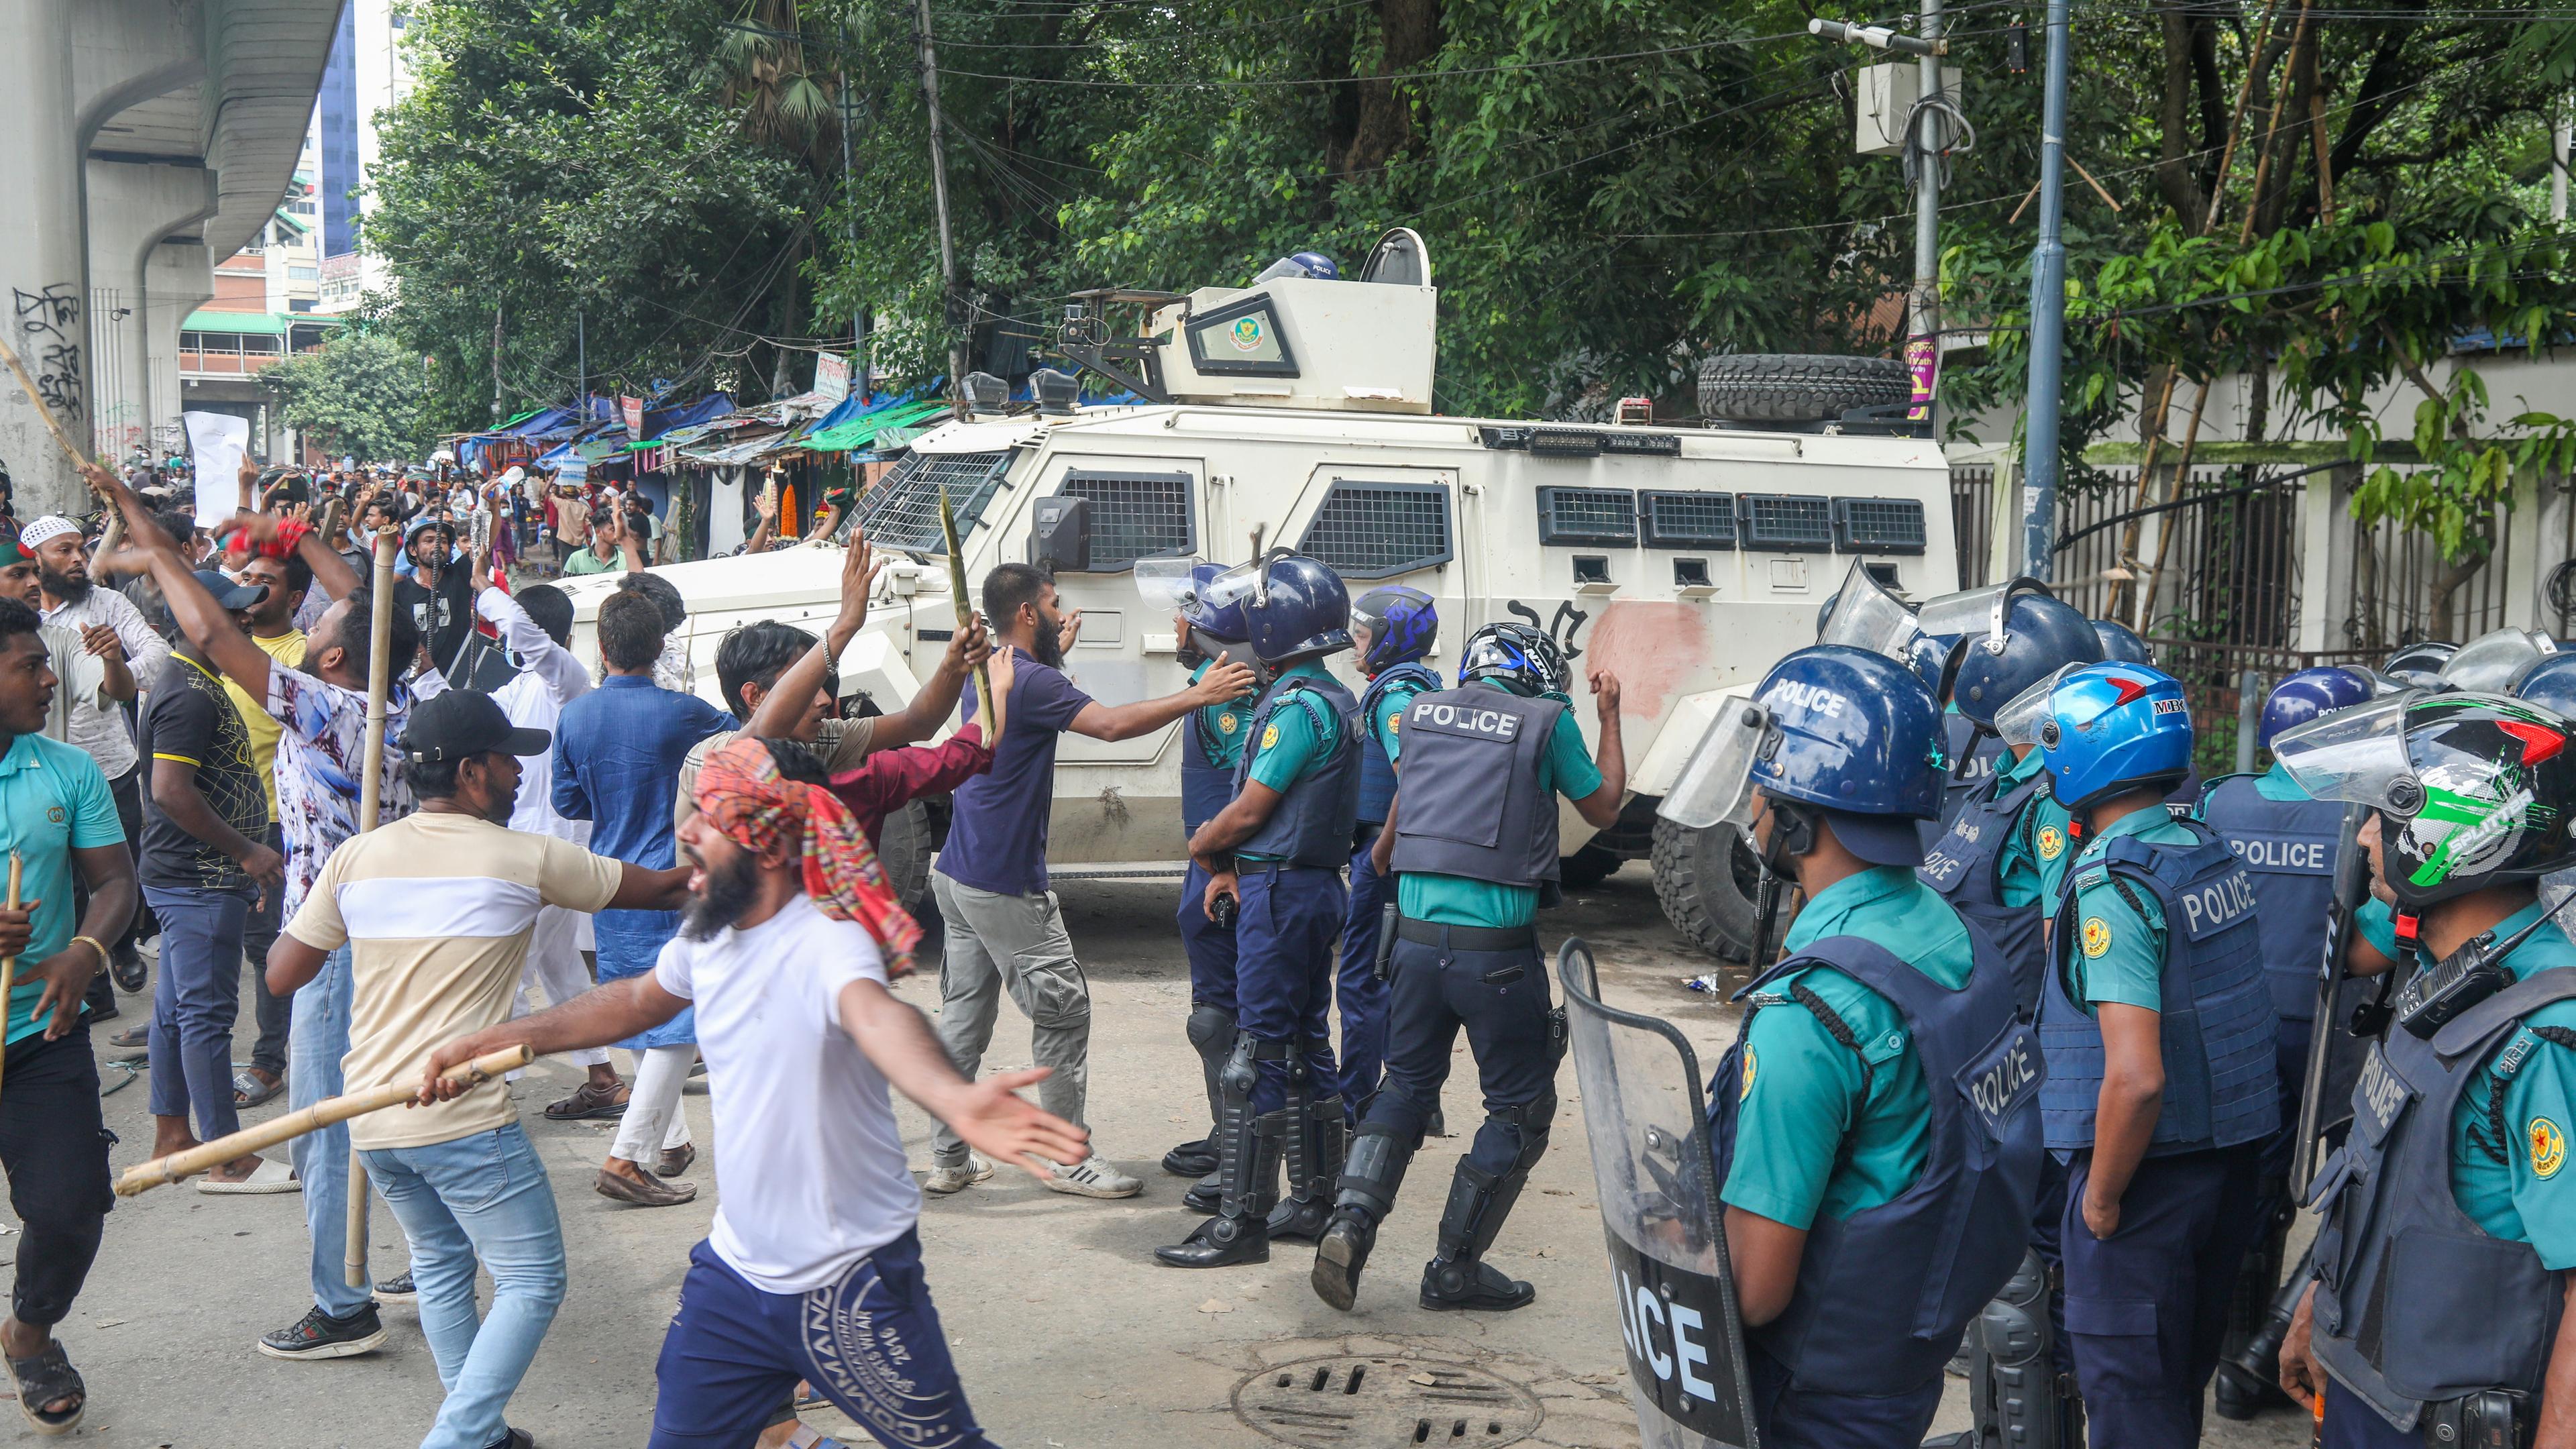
x=2489, y=662
x=1866, y=616
x=1716, y=783
x=1234, y=585
x=2018, y=722
x=1165, y=582
x=1976, y=614
x=2357, y=754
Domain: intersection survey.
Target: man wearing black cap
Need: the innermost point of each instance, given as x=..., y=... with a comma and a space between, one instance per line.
x=205, y=858
x=436, y=910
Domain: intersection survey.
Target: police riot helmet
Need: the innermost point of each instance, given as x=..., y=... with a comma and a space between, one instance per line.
x=2549, y=683
x=1224, y=622
x=2420, y=664
x=2303, y=696
x=2103, y=730
x=2120, y=643
x=1301, y=264
x=1298, y=610
x=1522, y=659
x=2041, y=636
x=2489, y=663
x=1402, y=625
x=1846, y=731
x=2472, y=789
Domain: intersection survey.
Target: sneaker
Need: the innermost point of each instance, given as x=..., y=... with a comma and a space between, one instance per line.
x=1093, y=1177
x=945, y=1180
x=318, y=1335
x=398, y=1289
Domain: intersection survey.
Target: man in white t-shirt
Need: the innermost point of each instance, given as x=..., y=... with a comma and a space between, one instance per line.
x=813, y=1268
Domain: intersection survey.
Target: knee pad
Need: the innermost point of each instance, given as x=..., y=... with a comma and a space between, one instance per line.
x=1241, y=1070
x=1529, y=1124
x=1211, y=1030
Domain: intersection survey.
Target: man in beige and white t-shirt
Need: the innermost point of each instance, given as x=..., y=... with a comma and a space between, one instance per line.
x=436, y=909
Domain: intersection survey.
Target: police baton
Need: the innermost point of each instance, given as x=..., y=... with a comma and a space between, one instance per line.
x=1387, y=916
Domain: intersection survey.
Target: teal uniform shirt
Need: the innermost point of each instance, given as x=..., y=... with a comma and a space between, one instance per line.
x=2118, y=953
x=2276, y=784
x=1225, y=725
x=1808, y=1139
x=1387, y=723
x=53, y=801
x=2519, y=1186
x=1455, y=900
x=2376, y=920
x=2036, y=856
x=1296, y=737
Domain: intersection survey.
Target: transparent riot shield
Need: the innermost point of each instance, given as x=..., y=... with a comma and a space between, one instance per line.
x=1648, y=1121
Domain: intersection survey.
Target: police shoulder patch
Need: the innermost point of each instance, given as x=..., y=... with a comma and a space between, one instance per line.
x=1227, y=722
x=1270, y=737
x=2097, y=937
x=1749, y=1065
x=2052, y=842
x=2548, y=1147
x=1394, y=720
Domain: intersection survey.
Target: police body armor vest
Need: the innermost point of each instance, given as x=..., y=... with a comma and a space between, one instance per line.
x=2288, y=846
x=2218, y=1024
x=1377, y=772
x=1960, y=735
x=1311, y=826
x=1205, y=785
x=1883, y=1295
x=1472, y=803
x=2415, y=1302
x=1967, y=867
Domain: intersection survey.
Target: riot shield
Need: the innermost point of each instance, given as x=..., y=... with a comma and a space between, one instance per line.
x=2334, y=1053
x=1648, y=1121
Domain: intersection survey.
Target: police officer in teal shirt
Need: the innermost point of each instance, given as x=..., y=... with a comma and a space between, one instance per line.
x=2450, y=1215
x=1211, y=746
x=1869, y=1215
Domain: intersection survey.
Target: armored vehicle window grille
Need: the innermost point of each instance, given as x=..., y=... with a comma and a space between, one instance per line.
x=1878, y=525
x=902, y=511
x=1689, y=520
x=1785, y=524
x=1373, y=530
x=1133, y=515
x=1600, y=516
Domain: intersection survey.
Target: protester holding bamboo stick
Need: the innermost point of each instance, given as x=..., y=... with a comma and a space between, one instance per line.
x=436, y=911
x=60, y=819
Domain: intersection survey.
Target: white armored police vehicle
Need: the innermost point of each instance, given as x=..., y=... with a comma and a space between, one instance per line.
x=1300, y=410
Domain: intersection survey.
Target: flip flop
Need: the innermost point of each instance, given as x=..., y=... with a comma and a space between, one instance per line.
x=41, y=1380
x=271, y=1176
x=588, y=1100
x=249, y=1091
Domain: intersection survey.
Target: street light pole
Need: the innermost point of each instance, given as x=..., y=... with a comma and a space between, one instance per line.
x=939, y=194
x=2047, y=318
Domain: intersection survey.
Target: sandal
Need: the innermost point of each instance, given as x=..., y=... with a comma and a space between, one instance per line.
x=41, y=1380
x=249, y=1091
x=590, y=1100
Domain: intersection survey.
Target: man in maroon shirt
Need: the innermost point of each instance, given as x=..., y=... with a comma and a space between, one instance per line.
x=887, y=780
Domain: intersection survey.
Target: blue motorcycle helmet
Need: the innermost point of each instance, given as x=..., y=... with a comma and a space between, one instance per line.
x=1296, y=609
x=2103, y=730
x=2549, y=683
x=2304, y=696
x=1402, y=626
x=2120, y=643
x=1835, y=733
x=1524, y=660
x=2041, y=636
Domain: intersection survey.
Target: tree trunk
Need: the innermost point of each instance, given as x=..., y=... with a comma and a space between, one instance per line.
x=2174, y=178
x=1409, y=37
x=2448, y=583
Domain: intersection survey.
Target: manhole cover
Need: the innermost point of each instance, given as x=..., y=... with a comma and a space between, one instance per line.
x=1328, y=1403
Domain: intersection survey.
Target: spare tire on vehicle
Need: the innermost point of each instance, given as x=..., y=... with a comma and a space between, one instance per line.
x=1796, y=387
x=1706, y=881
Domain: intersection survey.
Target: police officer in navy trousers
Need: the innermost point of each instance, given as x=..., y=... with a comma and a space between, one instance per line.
x=2439, y=1313
x=1391, y=630
x=1278, y=848
x=1876, y=1125
x=1211, y=746
x=2158, y=1029
x=1471, y=836
x=2289, y=841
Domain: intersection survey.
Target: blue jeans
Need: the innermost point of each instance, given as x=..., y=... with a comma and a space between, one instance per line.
x=321, y=1159
x=194, y=1001
x=481, y=1197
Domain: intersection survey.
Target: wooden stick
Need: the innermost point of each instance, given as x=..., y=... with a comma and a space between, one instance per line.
x=2096, y=185
x=371, y=785
x=145, y=1176
x=70, y=449
x=965, y=607
x=9, y=966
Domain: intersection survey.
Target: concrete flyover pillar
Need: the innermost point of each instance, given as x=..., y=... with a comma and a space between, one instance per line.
x=43, y=272
x=133, y=208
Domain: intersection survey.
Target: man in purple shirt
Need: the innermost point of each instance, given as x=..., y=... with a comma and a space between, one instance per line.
x=1005, y=931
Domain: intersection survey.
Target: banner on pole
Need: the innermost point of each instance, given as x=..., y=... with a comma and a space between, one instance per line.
x=632, y=409
x=832, y=375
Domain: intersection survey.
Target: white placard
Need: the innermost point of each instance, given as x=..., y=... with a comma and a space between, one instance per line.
x=832, y=375
x=216, y=443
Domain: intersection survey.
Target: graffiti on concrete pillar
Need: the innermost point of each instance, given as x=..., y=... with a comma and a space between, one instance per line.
x=49, y=329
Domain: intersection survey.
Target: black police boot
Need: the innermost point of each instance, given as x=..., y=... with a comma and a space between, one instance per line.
x=1460, y=1278
x=1211, y=1033
x=1319, y=1140
x=1371, y=1173
x=1248, y=1163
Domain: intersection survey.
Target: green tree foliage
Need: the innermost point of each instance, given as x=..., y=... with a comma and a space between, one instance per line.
x=363, y=393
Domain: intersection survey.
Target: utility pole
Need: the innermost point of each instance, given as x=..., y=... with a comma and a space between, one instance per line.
x=939, y=193
x=2558, y=138
x=2047, y=319
x=581, y=370
x=1923, y=349
x=496, y=367
x=850, y=199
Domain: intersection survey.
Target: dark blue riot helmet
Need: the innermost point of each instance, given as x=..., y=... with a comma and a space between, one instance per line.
x=2041, y=635
x=1223, y=622
x=1297, y=610
x=2420, y=664
x=2549, y=683
x=2120, y=643
x=1403, y=625
x=2304, y=696
x=1301, y=264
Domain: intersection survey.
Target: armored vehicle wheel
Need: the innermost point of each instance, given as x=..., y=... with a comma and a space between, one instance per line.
x=905, y=852
x=1705, y=880
x=1587, y=867
x=1789, y=387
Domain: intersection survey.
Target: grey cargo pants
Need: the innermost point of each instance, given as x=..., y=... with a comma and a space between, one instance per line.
x=1017, y=943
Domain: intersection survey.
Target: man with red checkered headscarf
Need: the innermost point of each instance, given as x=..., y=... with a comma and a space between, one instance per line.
x=785, y=949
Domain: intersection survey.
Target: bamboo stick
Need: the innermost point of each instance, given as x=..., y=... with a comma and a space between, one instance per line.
x=145, y=1176
x=965, y=608
x=371, y=786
